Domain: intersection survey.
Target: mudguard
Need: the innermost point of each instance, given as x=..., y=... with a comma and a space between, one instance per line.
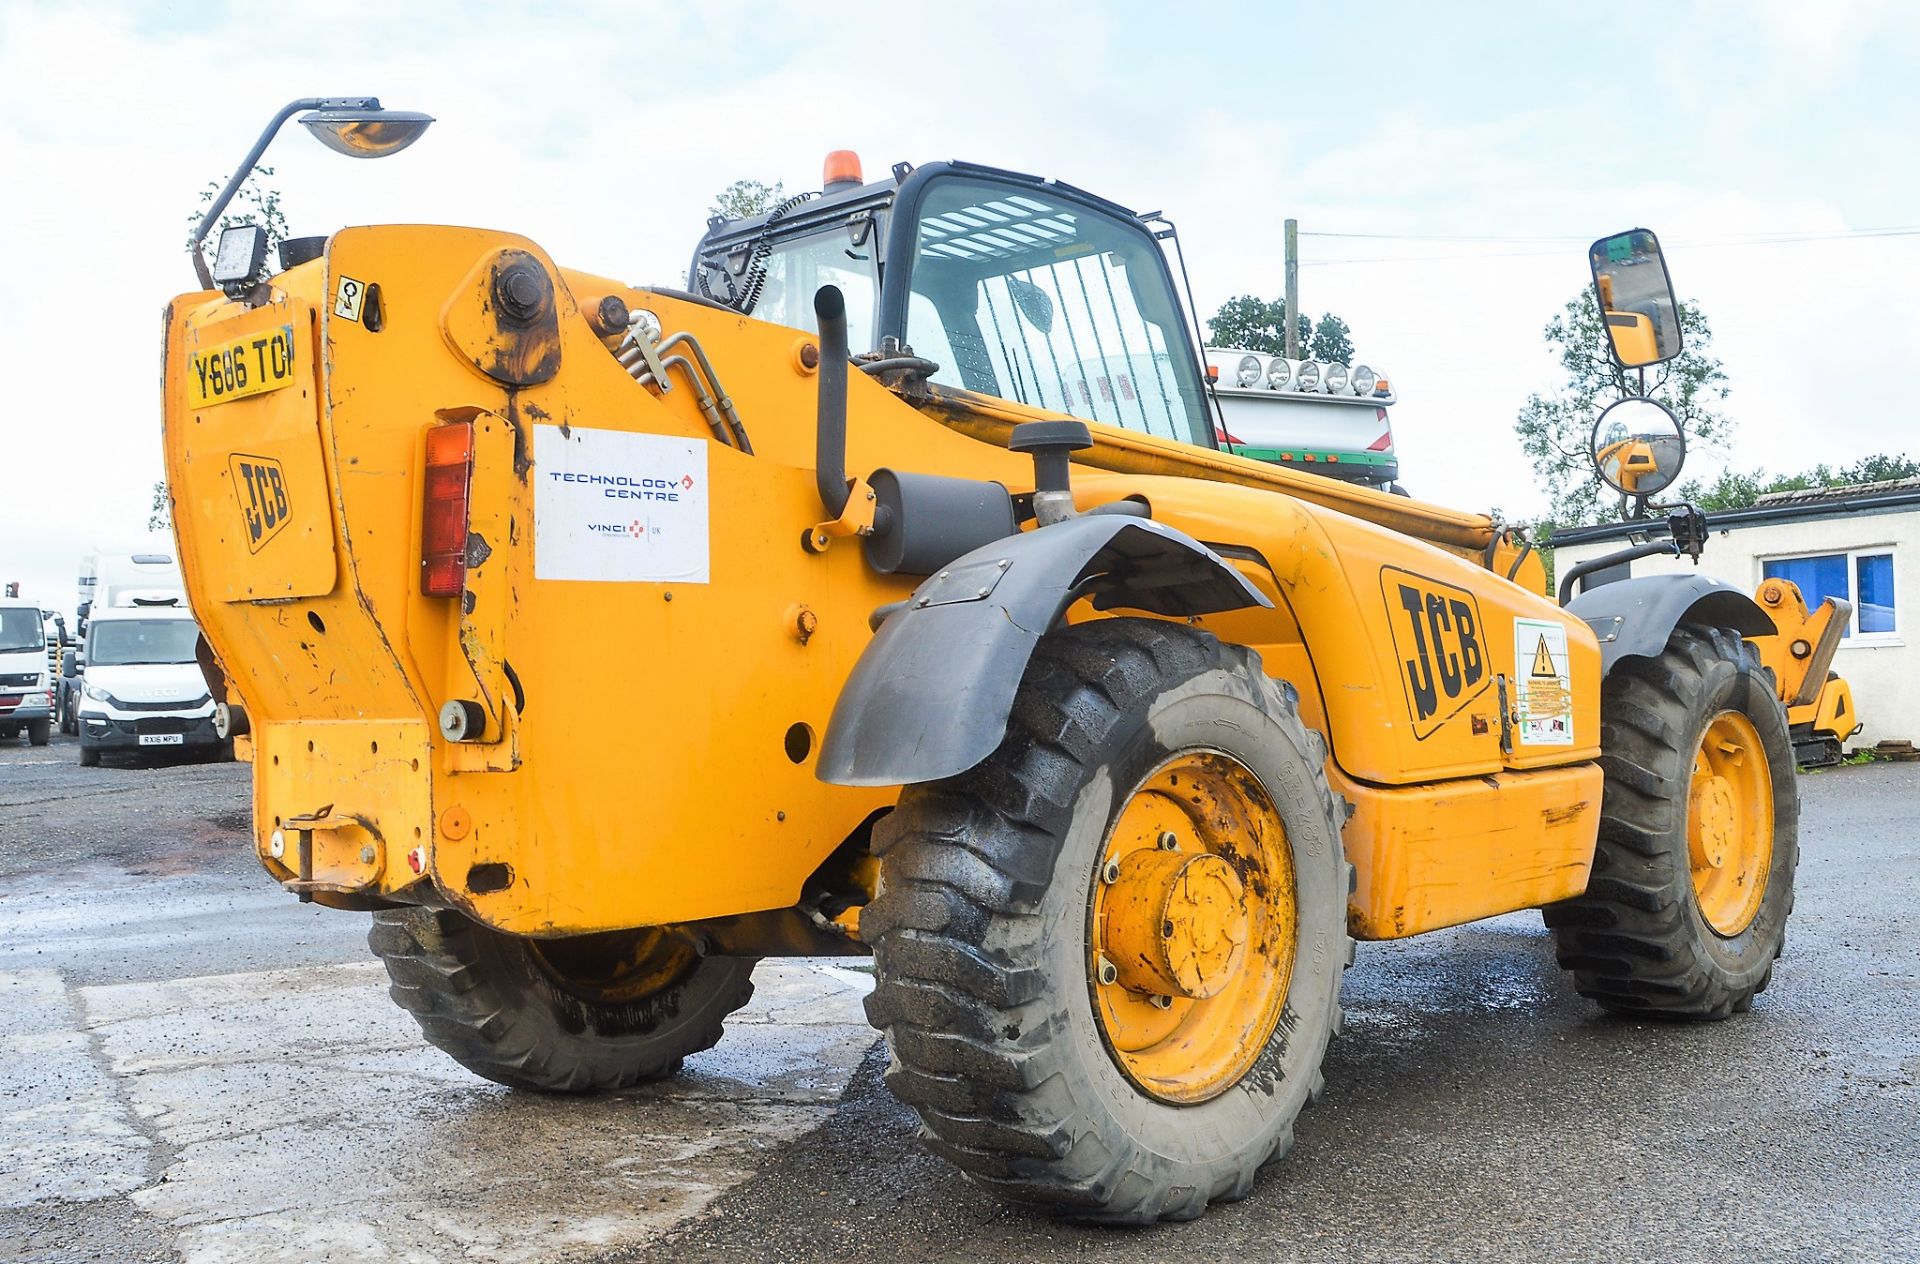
x=1634, y=617
x=930, y=695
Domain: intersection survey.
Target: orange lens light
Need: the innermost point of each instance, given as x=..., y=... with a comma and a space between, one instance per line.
x=443, y=521
x=842, y=167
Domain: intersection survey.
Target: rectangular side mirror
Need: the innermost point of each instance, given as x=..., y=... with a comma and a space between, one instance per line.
x=1635, y=295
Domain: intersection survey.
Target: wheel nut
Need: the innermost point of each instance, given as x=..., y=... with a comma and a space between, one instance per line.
x=1110, y=872
x=1169, y=841
x=1105, y=970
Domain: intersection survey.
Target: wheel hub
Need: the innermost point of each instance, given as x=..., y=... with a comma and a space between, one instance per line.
x=1192, y=928
x=1176, y=924
x=1714, y=822
x=1730, y=824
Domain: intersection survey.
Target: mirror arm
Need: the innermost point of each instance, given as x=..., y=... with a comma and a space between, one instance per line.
x=245, y=169
x=1615, y=558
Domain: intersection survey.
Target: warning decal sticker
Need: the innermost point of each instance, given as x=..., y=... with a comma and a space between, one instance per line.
x=618, y=507
x=1545, y=702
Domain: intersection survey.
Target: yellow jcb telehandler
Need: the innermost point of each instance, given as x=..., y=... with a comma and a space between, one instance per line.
x=926, y=620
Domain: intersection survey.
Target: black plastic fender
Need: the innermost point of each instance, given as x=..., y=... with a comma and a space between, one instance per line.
x=931, y=693
x=1634, y=617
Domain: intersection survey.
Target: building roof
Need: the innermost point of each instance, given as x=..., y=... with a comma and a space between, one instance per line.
x=1820, y=502
x=1846, y=491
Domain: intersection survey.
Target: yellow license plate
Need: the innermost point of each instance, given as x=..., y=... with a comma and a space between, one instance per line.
x=251, y=364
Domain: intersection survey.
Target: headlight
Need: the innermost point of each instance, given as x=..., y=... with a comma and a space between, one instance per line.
x=1249, y=372
x=98, y=694
x=1336, y=379
x=1279, y=372
x=1363, y=380
x=1308, y=378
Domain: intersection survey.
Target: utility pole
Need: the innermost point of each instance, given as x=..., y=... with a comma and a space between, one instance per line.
x=1293, y=289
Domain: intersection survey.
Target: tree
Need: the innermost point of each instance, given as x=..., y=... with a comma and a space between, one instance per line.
x=1555, y=429
x=745, y=198
x=1330, y=342
x=256, y=203
x=1253, y=324
x=1732, y=489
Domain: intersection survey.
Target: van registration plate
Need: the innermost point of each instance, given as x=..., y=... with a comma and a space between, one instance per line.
x=163, y=739
x=251, y=364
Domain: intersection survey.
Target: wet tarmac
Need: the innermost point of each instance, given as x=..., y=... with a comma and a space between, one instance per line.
x=194, y=1067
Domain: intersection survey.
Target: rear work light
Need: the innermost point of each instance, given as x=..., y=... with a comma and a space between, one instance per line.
x=443, y=520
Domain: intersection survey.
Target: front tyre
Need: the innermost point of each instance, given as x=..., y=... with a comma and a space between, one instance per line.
x=578, y=1015
x=1699, y=835
x=1108, y=958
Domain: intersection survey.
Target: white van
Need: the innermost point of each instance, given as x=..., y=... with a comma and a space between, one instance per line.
x=142, y=689
x=26, y=686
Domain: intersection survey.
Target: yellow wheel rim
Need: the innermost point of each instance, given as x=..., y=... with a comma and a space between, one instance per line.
x=1192, y=930
x=1730, y=823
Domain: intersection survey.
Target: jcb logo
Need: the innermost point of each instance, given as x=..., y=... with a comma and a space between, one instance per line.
x=1443, y=658
x=261, y=487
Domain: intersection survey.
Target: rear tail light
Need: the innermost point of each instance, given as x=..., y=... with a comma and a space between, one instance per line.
x=443, y=522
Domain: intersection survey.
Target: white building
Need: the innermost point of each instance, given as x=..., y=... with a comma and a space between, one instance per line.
x=1859, y=543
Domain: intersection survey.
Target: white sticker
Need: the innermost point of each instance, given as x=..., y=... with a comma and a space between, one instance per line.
x=1545, y=677
x=347, y=298
x=618, y=507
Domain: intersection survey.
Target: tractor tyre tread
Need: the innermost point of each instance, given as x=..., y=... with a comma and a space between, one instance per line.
x=478, y=998
x=1635, y=941
x=974, y=1028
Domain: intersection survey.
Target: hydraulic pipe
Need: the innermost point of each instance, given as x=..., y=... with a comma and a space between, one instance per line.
x=830, y=457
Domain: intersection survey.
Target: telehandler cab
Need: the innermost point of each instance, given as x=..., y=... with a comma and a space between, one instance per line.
x=970, y=651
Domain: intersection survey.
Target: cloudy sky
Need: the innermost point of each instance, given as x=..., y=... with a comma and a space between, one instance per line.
x=604, y=133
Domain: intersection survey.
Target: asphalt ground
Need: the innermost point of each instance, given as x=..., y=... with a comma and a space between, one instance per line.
x=193, y=1066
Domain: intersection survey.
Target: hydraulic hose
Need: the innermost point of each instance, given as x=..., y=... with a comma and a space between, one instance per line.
x=830, y=457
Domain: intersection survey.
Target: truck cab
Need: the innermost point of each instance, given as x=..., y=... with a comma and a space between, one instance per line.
x=114, y=578
x=143, y=690
x=1320, y=418
x=26, y=687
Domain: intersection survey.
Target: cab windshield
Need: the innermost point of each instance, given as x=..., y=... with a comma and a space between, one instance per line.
x=126, y=642
x=1018, y=293
x=20, y=629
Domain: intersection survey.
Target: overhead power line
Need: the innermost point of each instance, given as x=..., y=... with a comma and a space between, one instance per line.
x=1755, y=238
x=1772, y=239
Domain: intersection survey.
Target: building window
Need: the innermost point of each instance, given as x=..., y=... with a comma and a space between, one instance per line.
x=1863, y=579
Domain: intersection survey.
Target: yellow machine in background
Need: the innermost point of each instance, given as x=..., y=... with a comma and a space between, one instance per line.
x=970, y=650
x=1819, y=704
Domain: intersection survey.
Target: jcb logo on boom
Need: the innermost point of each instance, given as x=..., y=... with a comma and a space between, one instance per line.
x=1443, y=657
x=261, y=487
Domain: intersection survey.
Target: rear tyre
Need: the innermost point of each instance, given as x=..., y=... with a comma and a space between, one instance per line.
x=579, y=1015
x=1699, y=835
x=1108, y=958
x=40, y=732
x=89, y=756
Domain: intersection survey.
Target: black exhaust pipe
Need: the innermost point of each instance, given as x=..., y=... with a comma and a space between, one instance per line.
x=830, y=457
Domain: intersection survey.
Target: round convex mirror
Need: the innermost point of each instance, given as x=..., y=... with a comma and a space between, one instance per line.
x=1638, y=447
